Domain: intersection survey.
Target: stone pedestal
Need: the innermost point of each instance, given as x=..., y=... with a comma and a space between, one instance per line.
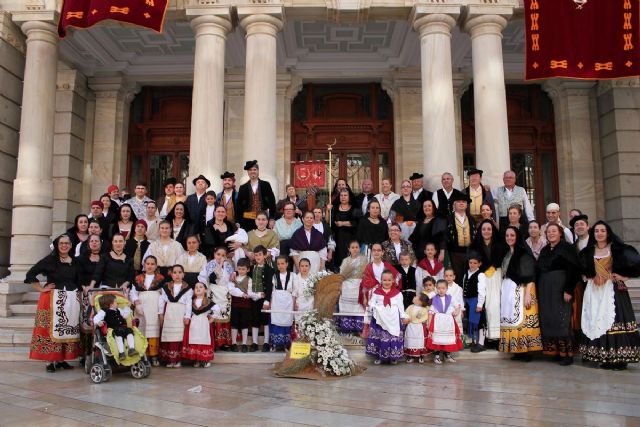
x=576, y=176
x=111, y=123
x=619, y=113
x=434, y=24
x=485, y=25
x=208, y=95
x=259, y=140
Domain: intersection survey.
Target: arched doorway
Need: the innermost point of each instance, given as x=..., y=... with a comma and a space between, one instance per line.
x=532, y=142
x=359, y=117
x=159, y=132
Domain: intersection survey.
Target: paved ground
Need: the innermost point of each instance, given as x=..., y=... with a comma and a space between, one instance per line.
x=476, y=392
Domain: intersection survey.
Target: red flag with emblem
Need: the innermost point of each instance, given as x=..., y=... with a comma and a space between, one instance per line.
x=86, y=13
x=309, y=174
x=585, y=39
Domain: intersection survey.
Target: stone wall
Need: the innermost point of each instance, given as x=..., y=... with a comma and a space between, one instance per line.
x=11, y=74
x=619, y=116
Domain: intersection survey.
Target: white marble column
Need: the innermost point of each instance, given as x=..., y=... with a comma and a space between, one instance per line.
x=33, y=186
x=110, y=132
x=490, y=100
x=438, y=117
x=574, y=146
x=207, y=105
x=260, y=115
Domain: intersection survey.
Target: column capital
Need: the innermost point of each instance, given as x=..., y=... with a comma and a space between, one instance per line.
x=461, y=83
x=40, y=31
x=21, y=17
x=434, y=18
x=562, y=88
x=210, y=19
x=113, y=87
x=482, y=20
x=261, y=24
x=607, y=85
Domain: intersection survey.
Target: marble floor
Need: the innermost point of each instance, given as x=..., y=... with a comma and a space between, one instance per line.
x=489, y=391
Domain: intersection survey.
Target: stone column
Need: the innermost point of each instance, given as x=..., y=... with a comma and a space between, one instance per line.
x=490, y=100
x=33, y=186
x=206, y=149
x=111, y=125
x=434, y=24
x=619, y=116
x=576, y=175
x=260, y=115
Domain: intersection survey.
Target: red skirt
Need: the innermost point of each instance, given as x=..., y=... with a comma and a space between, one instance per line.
x=171, y=352
x=197, y=352
x=222, y=334
x=42, y=346
x=451, y=348
x=417, y=352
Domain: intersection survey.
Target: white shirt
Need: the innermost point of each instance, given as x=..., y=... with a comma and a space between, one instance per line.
x=208, y=215
x=377, y=271
x=398, y=249
x=319, y=226
x=254, y=187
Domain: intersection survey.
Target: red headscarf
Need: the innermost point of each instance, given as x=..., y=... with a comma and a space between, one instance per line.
x=387, y=295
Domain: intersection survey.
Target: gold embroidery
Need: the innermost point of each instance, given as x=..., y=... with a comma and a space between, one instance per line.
x=122, y=10
x=77, y=15
x=535, y=39
x=559, y=64
x=604, y=66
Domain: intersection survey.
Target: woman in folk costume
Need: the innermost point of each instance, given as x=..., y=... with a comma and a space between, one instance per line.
x=302, y=301
x=343, y=223
x=444, y=335
x=371, y=228
x=372, y=275
x=125, y=223
x=115, y=269
x=385, y=315
x=174, y=309
x=429, y=229
x=352, y=270
x=415, y=334
x=217, y=274
x=263, y=236
x=491, y=248
x=145, y=296
x=307, y=242
x=608, y=322
x=519, y=320
x=198, y=342
x=192, y=260
x=181, y=226
x=165, y=249
x=286, y=226
x=395, y=245
x=280, y=302
x=404, y=211
x=56, y=335
x=558, y=272
x=137, y=245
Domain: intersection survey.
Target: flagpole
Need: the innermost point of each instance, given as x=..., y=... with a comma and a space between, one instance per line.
x=330, y=149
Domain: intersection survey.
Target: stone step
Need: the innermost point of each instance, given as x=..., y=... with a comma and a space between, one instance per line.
x=23, y=308
x=24, y=321
x=31, y=296
x=15, y=337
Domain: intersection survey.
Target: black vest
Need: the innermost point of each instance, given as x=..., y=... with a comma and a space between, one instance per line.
x=114, y=319
x=470, y=284
x=408, y=278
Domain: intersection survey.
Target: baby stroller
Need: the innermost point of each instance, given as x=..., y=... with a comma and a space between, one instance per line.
x=103, y=360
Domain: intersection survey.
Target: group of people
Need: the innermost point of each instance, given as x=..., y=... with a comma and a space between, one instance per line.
x=423, y=272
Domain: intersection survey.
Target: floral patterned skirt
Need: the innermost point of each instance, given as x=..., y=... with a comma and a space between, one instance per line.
x=525, y=336
x=621, y=343
x=384, y=346
x=42, y=346
x=171, y=352
x=349, y=324
x=222, y=334
x=198, y=352
x=280, y=335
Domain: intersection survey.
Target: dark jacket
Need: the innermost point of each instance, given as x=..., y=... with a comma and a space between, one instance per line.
x=243, y=205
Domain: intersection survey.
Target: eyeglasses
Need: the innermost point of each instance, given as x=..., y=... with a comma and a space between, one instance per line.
x=406, y=186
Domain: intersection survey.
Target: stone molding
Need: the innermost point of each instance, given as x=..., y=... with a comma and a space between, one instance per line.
x=607, y=85
x=10, y=32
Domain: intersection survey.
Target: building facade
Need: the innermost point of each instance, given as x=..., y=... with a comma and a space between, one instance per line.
x=431, y=86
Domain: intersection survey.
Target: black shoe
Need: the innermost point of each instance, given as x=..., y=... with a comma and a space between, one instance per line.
x=517, y=356
x=619, y=366
x=566, y=361
x=225, y=348
x=50, y=367
x=606, y=366
x=266, y=348
x=245, y=348
x=280, y=348
x=556, y=358
x=253, y=348
x=526, y=357
x=63, y=365
x=234, y=348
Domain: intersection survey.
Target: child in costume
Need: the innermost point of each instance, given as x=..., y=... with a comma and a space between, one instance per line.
x=444, y=334
x=198, y=343
x=261, y=279
x=280, y=300
x=218, y=273
x=473, y=287
x=115, y=319
x=174, y=309
x=408, y=277
x=429, y=287
x=415, y=334
x=241, y=297
x=455, y=291
x=301, y=301
x=352, y=269
x=145, y=296
x=430, y=265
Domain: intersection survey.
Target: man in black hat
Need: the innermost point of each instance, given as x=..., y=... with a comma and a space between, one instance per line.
x=228, y=196
x=254, y=196
x=478, y=195
x=461, y=231
x=580, y=226
x=196, y=203
x=163, y=202
x=417, y=189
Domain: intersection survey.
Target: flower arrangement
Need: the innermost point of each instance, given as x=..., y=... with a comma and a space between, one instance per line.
x=327, y=351
x=314, y=279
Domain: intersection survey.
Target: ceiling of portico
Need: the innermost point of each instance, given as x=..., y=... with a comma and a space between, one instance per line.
x=304, y=46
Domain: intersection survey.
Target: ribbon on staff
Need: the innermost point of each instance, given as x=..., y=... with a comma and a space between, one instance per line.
x=593, y=39
x=309, y=174
x=87, y=13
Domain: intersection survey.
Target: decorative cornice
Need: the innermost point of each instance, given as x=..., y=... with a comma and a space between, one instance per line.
x=607, y=85
x=560, y=88
x=10, y=33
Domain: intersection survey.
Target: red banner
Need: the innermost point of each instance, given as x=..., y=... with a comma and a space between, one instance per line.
x=309, y=174
x=586, y=39
x=86, y=13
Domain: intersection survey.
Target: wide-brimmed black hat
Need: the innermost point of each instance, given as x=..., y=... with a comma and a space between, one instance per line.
x=249, y=164
x=202, y=177
x=475, y=171
x=460, y=197
x=169, y=181
x=577, y=218
x=227, y=174
x=416, y=175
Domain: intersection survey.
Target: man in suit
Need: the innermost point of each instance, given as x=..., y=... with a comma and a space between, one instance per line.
x=362, y=200
x=196, y=203
x=228, y=196
x=253, y=196
x=163, y=202
x=417, y=188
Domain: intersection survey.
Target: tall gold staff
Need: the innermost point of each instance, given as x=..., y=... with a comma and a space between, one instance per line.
x=330, y=149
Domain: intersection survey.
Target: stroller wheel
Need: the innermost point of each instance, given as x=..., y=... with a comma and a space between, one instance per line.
x=97, y=373
x=138, y=370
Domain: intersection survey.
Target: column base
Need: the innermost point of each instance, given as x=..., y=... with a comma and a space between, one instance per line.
x=11, y=292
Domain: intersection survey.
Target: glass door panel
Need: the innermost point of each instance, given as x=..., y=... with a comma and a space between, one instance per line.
x=160, y=168
x=524, y=165
x=384, y=168
x=183, y=172
x=358, y=169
